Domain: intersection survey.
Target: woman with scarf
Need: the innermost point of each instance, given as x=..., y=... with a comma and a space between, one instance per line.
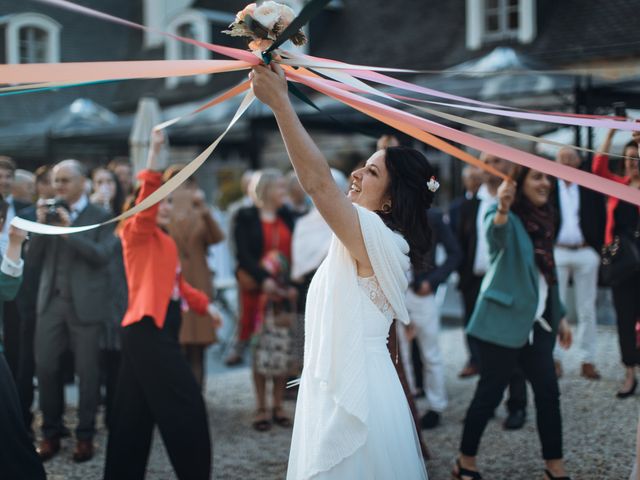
x=517, y=318
x=352, y=417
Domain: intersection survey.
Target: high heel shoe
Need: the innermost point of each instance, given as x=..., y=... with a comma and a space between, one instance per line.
x=629, y=392
x=551, y=477
x=463, y=472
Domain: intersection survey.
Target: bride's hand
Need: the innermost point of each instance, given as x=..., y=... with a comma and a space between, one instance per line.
x=270, y=85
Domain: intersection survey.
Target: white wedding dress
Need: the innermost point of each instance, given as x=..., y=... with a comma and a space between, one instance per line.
x=352, y=418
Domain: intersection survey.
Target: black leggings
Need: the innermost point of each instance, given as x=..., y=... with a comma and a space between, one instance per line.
x=626, y=300
x=497, y=365
x=156, y=387
x=18, y=458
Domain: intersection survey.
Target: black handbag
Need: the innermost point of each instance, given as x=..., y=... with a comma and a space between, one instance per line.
x=620, y=259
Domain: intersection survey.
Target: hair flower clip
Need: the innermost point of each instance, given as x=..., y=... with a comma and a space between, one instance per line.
x=433, y=185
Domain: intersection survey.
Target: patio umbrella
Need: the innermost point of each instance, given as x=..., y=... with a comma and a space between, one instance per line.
x=147, y=116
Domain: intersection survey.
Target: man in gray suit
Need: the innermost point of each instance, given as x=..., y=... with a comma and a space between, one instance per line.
x=72, y=304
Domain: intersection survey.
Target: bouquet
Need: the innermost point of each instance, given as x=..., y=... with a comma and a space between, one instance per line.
x=263, y=23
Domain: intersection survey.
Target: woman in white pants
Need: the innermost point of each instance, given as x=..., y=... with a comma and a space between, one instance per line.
x=424, y=314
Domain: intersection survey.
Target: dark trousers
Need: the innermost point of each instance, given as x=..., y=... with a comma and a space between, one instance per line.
x=18, y=337
x=18, y=457
x=11, y=336
x=111, y=369
x=26, y=367
x=496, y=368
x=469, y=297
x=517, y=384
x=156, y=387
x=626, y=300
x=57, y=329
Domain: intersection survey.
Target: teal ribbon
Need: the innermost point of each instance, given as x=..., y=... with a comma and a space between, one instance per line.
x=46, y=89
x=309, y=11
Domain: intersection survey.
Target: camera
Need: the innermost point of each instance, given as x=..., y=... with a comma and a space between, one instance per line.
x=52, y=205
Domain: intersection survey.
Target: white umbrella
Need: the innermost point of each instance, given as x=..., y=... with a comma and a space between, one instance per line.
x=147, y=116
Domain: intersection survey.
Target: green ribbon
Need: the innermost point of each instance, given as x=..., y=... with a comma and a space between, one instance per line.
x=309, y=11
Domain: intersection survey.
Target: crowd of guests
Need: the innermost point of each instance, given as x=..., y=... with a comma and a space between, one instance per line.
x=142, y=352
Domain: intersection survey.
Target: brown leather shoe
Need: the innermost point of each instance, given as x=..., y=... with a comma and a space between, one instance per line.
x=469, y=370
x=48, y=448
x=84, y=451
x=588, y=370
x=558, y=366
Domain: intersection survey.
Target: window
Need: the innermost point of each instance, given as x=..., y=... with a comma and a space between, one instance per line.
x=496, y=21
x=187, y=51
x=189, y=24
x=501, y=19
x=32, y=38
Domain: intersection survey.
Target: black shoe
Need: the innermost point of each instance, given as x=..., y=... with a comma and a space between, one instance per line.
x=515, y=420
x=629, y=392
x=430, y=420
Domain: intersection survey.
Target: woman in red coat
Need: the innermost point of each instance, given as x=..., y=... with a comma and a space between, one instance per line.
x=156, y=385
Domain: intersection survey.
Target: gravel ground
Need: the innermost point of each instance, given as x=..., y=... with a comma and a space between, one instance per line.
x=599, y=430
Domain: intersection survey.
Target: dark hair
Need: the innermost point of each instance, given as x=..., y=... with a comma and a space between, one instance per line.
x=630, y=143
x=118, y=200
x=117, y=161
x=540, y=224
x=173, y=170
x=43, y=173
x=409, y=171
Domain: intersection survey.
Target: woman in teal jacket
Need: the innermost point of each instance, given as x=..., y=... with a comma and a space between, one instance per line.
x=517, y=317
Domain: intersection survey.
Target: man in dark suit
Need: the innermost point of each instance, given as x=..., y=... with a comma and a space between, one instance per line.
x=11, y=327
x=475, y=262
x=580, y=226
x=26, y=302
x=71, y=304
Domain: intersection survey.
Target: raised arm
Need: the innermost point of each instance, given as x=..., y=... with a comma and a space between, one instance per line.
x=312, y=169
x=144, y=222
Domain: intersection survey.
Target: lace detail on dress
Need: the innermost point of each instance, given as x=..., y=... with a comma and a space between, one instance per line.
x=376, y=295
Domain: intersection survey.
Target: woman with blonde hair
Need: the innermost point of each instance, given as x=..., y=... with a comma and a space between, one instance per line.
x=262, y=235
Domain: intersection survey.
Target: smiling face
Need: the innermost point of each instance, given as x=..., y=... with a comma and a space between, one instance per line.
x=536, y=187
x=370, y=183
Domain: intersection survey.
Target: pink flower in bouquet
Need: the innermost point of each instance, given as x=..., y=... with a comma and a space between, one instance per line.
x=260, y=44
x=267, y=14
x=248, y=10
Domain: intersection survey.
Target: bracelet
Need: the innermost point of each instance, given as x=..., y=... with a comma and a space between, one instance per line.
x=503, y=212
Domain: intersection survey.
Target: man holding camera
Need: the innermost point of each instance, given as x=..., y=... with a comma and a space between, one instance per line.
x=71, y=306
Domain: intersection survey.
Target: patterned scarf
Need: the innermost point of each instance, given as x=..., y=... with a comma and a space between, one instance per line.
x=539, y=224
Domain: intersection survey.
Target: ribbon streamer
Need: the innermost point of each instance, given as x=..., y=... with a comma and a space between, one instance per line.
x=165, y=190
x=589, y=180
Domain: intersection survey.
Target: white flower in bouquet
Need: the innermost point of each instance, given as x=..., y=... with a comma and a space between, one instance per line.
x=267, y=14
x=263, y=24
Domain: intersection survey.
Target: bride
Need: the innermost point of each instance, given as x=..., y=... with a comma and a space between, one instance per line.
x=352, y=419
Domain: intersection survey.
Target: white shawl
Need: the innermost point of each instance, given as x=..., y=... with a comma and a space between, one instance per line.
x=334, y=340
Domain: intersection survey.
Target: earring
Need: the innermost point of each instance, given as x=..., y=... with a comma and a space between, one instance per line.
x=386, y=208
